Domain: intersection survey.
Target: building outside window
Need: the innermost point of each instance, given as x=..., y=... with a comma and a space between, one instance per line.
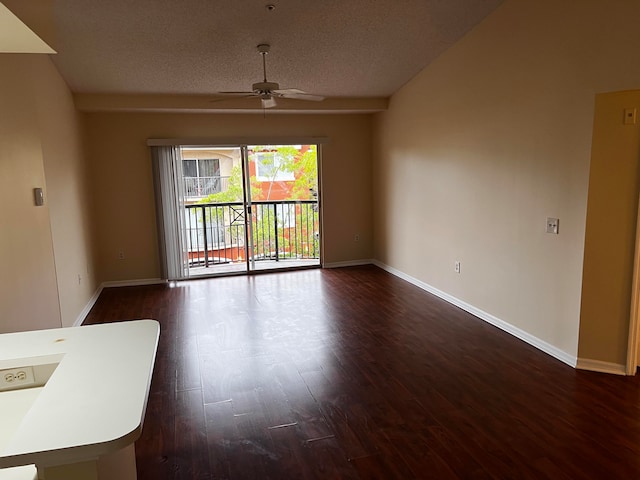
x=270, y=167
x=201, y=176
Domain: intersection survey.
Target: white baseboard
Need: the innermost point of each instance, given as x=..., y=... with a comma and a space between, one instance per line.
x=348, y=263
x=85, y=311
x=487, y=317
x=599, y=366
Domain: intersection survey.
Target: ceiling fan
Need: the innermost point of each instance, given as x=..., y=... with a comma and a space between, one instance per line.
x=269, y=91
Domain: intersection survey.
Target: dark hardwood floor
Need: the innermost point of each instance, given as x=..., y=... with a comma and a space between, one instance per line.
x=355, y=374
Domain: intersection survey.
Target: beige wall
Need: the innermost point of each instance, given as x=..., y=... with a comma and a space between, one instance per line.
x=123, y=189
x=28, y=293
x=488, y=141
x=69, y=195
x=38, y=135
x=610, y=234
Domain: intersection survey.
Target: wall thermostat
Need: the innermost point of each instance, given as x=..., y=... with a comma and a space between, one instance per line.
x=38, y=196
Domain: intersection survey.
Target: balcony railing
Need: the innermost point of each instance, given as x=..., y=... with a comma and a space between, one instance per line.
x=280, y=230
x=204, y=186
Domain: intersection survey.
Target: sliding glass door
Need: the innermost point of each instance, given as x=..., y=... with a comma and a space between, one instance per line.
x=214, y=233
x=283, y=207
x=251, y=207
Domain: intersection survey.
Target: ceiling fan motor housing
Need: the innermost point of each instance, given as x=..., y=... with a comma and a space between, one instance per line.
x=265, y=87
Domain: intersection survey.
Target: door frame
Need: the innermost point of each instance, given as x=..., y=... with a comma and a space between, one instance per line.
x=249, y=264
x=634, y=321
x=237, y=141
x=251, y=207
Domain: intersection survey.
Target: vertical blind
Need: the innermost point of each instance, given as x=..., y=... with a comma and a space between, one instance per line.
x=167, y=173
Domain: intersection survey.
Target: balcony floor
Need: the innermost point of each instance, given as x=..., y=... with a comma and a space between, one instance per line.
x=261, y=265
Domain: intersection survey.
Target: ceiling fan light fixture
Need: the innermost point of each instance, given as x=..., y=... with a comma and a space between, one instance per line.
x=268, y=101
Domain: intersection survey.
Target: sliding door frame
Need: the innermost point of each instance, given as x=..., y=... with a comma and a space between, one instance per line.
x=242, y=143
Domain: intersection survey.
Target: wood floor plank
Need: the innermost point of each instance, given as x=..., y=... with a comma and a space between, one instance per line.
x=219, y=422
x=188, y=365
x=191, y=460
x=156, y=445
x=353, y=373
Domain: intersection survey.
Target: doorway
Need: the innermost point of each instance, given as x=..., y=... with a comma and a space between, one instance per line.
x=250, y=208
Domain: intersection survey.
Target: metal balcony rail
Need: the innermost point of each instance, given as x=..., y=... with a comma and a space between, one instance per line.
x=216, y=232
x=204, y=186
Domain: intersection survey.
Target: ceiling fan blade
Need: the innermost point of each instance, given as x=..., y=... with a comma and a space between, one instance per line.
x=301, y=96
x=233, y=93
x=226, y=98
x=289, y=90
x=269, y=102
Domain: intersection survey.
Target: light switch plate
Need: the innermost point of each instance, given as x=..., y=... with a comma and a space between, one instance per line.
x=630, y=115
x=38, y=197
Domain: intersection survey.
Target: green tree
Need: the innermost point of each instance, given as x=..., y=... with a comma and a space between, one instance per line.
x=305, y=186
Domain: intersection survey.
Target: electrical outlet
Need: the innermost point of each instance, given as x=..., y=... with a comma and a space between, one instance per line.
x=553, y=224
x=16, y=378
x=456, y=266
x=120, y=255
x=356, y=237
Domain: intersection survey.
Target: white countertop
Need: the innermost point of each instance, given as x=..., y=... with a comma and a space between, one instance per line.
x=93, y=403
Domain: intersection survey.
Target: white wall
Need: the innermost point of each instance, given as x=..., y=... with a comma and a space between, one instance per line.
x=492, y=138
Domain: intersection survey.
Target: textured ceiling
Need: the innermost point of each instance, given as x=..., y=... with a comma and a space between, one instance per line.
x=336, y=48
